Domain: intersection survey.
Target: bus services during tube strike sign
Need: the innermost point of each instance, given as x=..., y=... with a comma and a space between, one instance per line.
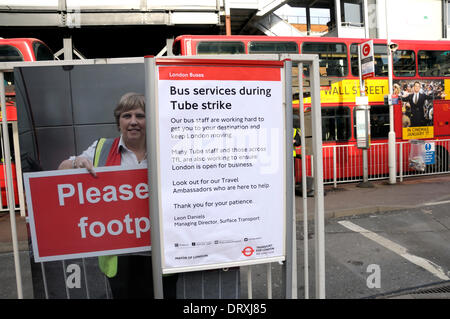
x=222, y=164
x=73, y=214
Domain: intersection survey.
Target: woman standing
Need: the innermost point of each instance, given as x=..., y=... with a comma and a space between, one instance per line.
x=130, y=276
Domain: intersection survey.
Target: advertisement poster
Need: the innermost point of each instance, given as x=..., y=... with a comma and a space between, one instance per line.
x=83, y=216
x=222, y=164
x=416, y=98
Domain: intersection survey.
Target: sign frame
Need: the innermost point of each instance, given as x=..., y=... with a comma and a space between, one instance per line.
x=153, y=140
x=32, y=220
x=362, y=119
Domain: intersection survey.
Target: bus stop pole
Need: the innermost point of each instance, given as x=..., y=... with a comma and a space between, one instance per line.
x=10, y=187
x=362, y=89
x=363, y=93
x=391, y=135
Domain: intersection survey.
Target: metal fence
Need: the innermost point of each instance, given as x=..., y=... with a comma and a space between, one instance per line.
x=19, y=204
x=81, y=278
x=342, y=163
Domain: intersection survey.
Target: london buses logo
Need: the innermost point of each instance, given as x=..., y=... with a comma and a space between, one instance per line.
x=248, y=251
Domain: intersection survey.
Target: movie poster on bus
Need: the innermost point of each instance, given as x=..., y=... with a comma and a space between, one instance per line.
x=222, y=155
x=416, y=98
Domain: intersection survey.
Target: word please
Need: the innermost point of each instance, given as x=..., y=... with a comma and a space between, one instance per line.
x=108, y=193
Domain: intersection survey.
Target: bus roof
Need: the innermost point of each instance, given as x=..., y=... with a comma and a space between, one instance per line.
x=291, y=38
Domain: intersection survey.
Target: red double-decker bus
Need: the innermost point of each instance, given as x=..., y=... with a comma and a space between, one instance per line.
x=421, y=64
x=17, y=50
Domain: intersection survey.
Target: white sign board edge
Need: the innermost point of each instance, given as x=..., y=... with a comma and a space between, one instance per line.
x=168, y=270
x=224, y=265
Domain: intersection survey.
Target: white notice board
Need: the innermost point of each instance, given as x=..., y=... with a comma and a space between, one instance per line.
x=221, y=151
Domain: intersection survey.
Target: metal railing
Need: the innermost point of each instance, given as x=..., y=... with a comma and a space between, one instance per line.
x=343, y=163
x=17, y=173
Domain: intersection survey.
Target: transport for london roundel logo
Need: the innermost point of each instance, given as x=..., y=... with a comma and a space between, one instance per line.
x=366, y=49
x=248, y=251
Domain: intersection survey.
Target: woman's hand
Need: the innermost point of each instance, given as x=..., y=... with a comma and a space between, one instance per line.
x=79, y=162
x=83, y=162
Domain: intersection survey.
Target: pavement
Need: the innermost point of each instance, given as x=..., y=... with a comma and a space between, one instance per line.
x=344, y=200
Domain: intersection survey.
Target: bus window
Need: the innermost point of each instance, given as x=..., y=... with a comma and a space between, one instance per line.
x=220, y=47
x=380, y=55
x=352, y=13
x=336, y=123
x=332, y=58
x=379, y=121
x=272, y=47
x=404, y=63
x=42, y=52
x=9, y=53
x=434, y=63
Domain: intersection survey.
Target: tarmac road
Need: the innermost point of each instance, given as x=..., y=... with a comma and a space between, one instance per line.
x=408, y=248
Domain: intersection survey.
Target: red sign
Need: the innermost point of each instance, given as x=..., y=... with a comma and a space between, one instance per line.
x=220, y=73
x=367, y=60
x=366, y=49
x=74, y=215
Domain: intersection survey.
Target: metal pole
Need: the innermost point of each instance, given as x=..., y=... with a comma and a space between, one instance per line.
x=362, y=85
x=334, y=167
x=68, y=48
x=16, y=147
x=10, y=188
x=269, y=280
x=65, y=278
x=318, y=179
x=44, y=280
x=249, y=283
x=366, y=19
x=363, y=93
x=151, y=116
x=337, y=7
x=88, y=295
x=226, y=7
x=391, y=135
x=291, y=247
x=401, y=161
x=365, y=168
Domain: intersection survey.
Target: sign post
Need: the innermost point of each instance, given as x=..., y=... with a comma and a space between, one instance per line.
x=221, y=163
x=366, y=70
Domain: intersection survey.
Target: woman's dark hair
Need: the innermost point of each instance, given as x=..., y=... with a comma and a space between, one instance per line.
x=129, y=101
